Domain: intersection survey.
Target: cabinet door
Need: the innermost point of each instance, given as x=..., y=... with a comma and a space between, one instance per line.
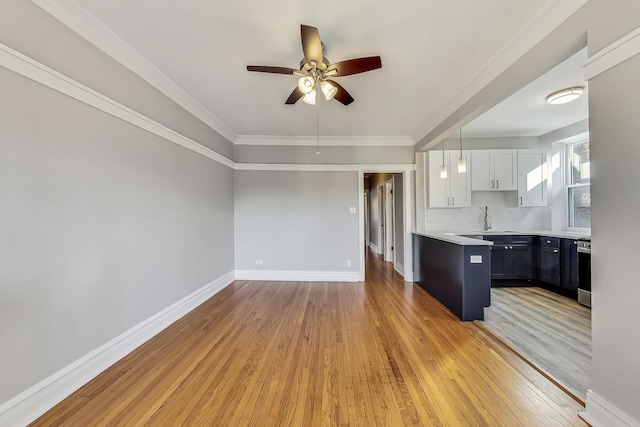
x=521, y=262
x=459, y=183
x=532, y=180
x=481, y=174
x=505, y=169
x=438, y=187
x=569, y=264
x=550, y=265
x=499, y=260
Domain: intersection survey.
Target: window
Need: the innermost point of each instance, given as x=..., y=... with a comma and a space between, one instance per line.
x=579, y=185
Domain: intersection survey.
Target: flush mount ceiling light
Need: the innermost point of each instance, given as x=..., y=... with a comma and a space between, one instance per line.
x=565, y=95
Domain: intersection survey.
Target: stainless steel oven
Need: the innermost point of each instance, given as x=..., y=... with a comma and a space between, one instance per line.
x=584, y=272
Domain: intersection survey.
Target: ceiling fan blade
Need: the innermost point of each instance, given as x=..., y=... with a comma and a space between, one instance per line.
x=275, y=70
x=341, y=95
x=294, y=97
x=356, y=66
x=311, y=44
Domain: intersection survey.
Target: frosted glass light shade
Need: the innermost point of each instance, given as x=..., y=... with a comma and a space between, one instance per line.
x=462, y=165
x=329, y=90
x=443, y=172
x=310, y=98
x=565, y=95
x=305, y=84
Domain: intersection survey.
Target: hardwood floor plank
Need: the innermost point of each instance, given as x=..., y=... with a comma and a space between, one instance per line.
x=378, y=353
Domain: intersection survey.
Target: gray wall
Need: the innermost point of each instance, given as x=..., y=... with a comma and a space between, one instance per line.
x=32, y=31
x=614, y=102
x=296, y=221
x=102, y=226
x=328, y=155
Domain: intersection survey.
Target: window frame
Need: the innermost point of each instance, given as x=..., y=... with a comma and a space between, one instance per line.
x=568, y=185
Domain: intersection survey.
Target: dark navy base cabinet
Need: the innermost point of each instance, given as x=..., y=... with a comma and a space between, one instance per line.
x=445, y=271
x=549, y=260
x=569, y=264
x=512, y=257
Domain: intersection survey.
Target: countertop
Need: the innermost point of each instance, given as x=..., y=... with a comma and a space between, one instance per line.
x=468, y=237
x=455, y=238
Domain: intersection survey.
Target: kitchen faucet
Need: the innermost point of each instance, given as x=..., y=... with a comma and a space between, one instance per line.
x=487, y=225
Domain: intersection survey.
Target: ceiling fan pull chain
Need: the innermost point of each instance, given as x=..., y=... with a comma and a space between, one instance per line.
x=317, y=121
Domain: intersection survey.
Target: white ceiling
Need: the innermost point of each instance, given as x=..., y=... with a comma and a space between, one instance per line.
x=526, y=112
x=430, y=49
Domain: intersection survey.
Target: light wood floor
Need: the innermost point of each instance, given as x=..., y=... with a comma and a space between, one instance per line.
x=552, y=331
x=378, y=353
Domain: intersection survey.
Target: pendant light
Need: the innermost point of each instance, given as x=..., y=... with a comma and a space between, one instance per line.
x=462, y=164
x=443, y=168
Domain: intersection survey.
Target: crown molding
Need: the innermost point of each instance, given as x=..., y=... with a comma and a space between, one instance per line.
x=614, y=54
x=19, y=63
x=87, y=26
x=333, y=141
x=282, y=167
x=548, y=18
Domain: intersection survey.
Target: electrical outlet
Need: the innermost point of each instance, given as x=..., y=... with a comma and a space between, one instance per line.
x=258, y=262
x=348, y=263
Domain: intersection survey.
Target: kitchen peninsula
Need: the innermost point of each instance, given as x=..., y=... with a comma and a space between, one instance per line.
x=456, y=270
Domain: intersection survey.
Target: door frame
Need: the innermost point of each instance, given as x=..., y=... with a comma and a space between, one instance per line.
x=381, y=237
x=408, y=211
x=389, y=222
x=367, y=219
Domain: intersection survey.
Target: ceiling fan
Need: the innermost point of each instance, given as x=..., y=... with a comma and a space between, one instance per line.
x=315, y=71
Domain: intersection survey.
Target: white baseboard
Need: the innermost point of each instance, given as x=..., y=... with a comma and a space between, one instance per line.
x=601, y=413
x=38, y=399
x=298, y=276
x=399, y=268
x=373, y=247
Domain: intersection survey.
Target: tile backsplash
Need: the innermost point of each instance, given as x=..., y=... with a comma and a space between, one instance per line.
x=503, y=214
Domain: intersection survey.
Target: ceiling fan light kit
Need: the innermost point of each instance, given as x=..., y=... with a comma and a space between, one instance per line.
x=310, y=98
x=565, y=95
x=329, y=90
x=306, y=84
x=315, y=69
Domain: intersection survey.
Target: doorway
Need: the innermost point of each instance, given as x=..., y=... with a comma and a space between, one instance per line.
x=385, y=217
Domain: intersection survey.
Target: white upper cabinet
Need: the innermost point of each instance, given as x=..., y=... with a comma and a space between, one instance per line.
x=453, y=191
x=532, y=178
x=494, y=170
